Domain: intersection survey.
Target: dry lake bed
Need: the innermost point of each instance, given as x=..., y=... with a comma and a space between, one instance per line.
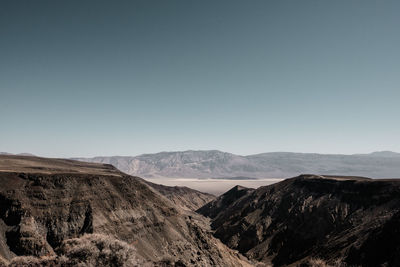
x=213, y=186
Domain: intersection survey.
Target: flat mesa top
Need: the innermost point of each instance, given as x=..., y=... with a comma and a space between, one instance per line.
x=30, y=164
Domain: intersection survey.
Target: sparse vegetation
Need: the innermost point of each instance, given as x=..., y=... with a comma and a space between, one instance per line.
x=317, y=262
x=3, y=262
x=86, y=251
x=99, y=250
x=38, y=262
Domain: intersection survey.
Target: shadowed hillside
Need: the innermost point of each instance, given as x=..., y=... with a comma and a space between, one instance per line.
x=346, y=220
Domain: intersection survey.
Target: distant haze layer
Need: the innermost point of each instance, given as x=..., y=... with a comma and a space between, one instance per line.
x=217, y=164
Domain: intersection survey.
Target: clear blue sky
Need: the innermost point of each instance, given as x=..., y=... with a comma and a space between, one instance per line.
x=85, y=78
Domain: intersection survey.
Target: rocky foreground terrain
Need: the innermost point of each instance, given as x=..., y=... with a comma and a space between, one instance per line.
x=217, y=164
x=310, y=219
x=56, y=212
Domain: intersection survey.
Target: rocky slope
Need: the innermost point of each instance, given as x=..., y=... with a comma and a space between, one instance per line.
x=213, y=208
x=216, y=164
x=64, y=212
x=342, y=220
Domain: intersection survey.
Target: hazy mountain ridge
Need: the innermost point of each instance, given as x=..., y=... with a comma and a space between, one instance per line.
x=216, y=164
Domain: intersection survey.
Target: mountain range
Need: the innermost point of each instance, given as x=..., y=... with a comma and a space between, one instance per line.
x=217, y=164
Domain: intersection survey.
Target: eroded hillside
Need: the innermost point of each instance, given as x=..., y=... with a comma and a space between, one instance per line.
x=66, y=212
x=342, y=220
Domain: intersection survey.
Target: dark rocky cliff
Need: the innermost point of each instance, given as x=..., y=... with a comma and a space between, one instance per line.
x=342, y=220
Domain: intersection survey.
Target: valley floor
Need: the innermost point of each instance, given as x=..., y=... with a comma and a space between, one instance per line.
x=213, y=186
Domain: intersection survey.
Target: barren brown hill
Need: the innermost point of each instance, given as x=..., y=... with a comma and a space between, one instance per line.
x=350, y=221
x=66, y=213
x=29, y=164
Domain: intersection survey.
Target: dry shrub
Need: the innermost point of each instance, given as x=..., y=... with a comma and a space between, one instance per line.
x=90, y=250
x=318, y=263
x=315, y=262
x=3, y=262
x=99, y=250
x=37, y=262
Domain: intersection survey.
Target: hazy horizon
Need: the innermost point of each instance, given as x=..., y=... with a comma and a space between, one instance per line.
x=97, y=78
x=201, y=150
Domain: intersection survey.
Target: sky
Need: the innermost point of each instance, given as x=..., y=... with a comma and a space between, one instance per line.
x=90, y=78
